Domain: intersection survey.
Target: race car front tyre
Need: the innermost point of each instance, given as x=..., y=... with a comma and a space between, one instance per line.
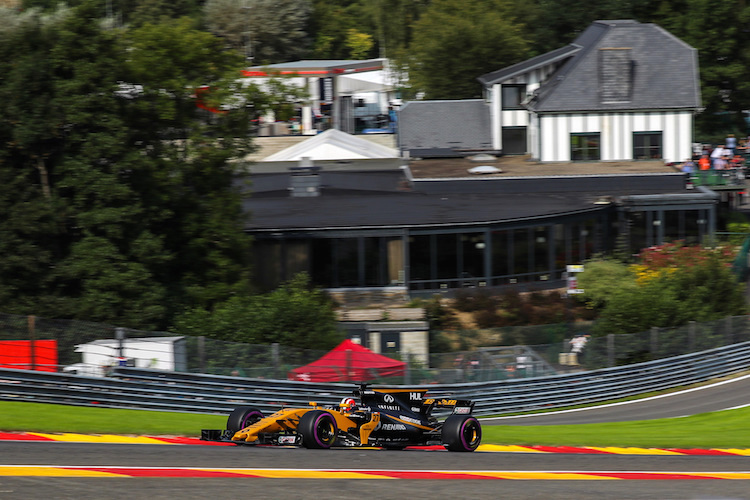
x=318, y=429
x=461, y=433
x=242, y=417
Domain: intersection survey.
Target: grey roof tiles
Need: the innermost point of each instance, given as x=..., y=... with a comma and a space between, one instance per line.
x=663, y=72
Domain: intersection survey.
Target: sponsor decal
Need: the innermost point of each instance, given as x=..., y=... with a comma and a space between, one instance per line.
x=409, y=419
x=388, y=398
x=415, y=410
x=442, y=402
x=462, y=410
x=287, y=439
x=393, y=427
x=389, y=407
x=415, y=396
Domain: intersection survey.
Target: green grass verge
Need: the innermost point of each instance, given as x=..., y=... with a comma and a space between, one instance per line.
x=40, y=417
x=722, y=429
x=725, y=429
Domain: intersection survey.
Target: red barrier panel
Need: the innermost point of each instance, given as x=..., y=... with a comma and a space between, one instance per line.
x=19, y=354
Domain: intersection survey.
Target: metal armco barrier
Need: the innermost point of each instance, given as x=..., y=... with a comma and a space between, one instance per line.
x=193, y=393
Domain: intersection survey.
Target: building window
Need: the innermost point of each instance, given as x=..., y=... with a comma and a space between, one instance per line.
x=513, y=95
x=647, y=145
x=584, y=147
x=514, y=140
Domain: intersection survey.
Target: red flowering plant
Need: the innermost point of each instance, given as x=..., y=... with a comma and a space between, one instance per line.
x=667, y=258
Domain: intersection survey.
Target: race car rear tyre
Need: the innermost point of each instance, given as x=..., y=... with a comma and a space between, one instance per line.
x=318, y=429
x=461, y=433
x=242, y=417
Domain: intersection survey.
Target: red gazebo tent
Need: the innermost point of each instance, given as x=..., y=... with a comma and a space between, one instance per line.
x=348, y=362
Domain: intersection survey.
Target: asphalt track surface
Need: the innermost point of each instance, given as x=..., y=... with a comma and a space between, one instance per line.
x=731, y=393
x=230, y=457
x=342, y=473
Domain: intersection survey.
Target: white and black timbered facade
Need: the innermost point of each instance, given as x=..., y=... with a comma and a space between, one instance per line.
x=621, y=91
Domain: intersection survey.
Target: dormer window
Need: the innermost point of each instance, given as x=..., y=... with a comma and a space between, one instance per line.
x=615, y=74
x=513, y=96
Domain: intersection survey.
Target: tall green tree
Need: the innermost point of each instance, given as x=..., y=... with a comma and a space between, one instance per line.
x=724, y=62
x=121, y=151
x=28, y=142
x=127, y=12
x=331, y=24
x=456, y=41
x=269, y=31
x=295, y=315
x=555, y=23
x=67, y=142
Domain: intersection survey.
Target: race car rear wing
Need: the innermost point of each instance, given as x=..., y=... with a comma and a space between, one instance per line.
x=460, y=406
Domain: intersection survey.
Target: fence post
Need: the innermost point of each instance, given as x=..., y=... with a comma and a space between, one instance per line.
x=202, y=354
x=728, y=333
x=120, y=336
x=654, y=341
x=275, y=359
x=348, y=365
x=611, y=350
x=32, y=338
x=691, y=336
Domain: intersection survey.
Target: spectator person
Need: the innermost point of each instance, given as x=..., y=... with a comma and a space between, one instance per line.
x=720, y=163
x=522, y=365
x=743, y=146
x=716, y=154
x=704, y=163
x=730, y=144
x=688, y=166
x=577, y=343
x=737, y=161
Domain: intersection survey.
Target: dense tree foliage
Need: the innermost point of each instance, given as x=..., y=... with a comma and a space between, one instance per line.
x=123, y=121
x=336, y=25
x=456, y=41
x=668, y=286
x=268, y=31
x=294, y=315
x=119, y=203
x=440, y=47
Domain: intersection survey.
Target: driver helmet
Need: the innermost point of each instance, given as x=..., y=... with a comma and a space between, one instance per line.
x=347, y=404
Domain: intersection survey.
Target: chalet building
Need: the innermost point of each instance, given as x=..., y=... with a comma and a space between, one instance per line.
x=369, y=222
x=413, y=219
x=622, y=90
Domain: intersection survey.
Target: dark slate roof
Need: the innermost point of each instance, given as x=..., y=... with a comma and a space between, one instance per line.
x=273, y=184
x=351, y=210
x=444, y=128
x=530, y=64
x=664, y=69
x=383, y=202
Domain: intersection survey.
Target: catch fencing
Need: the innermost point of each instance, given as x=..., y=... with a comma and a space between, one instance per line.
x=199, y=393
x=93, y=349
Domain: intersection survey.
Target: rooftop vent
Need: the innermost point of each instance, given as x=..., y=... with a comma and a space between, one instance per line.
x=305, y=180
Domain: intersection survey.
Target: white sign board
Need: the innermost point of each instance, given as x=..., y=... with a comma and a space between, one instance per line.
x=572, y=279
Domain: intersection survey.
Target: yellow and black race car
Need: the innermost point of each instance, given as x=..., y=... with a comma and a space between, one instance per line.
x=388, y=418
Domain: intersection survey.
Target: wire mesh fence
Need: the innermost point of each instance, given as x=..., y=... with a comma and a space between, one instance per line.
x=93, y=349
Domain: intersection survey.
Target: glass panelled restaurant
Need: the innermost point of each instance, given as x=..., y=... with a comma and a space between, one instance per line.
x=376, y=229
